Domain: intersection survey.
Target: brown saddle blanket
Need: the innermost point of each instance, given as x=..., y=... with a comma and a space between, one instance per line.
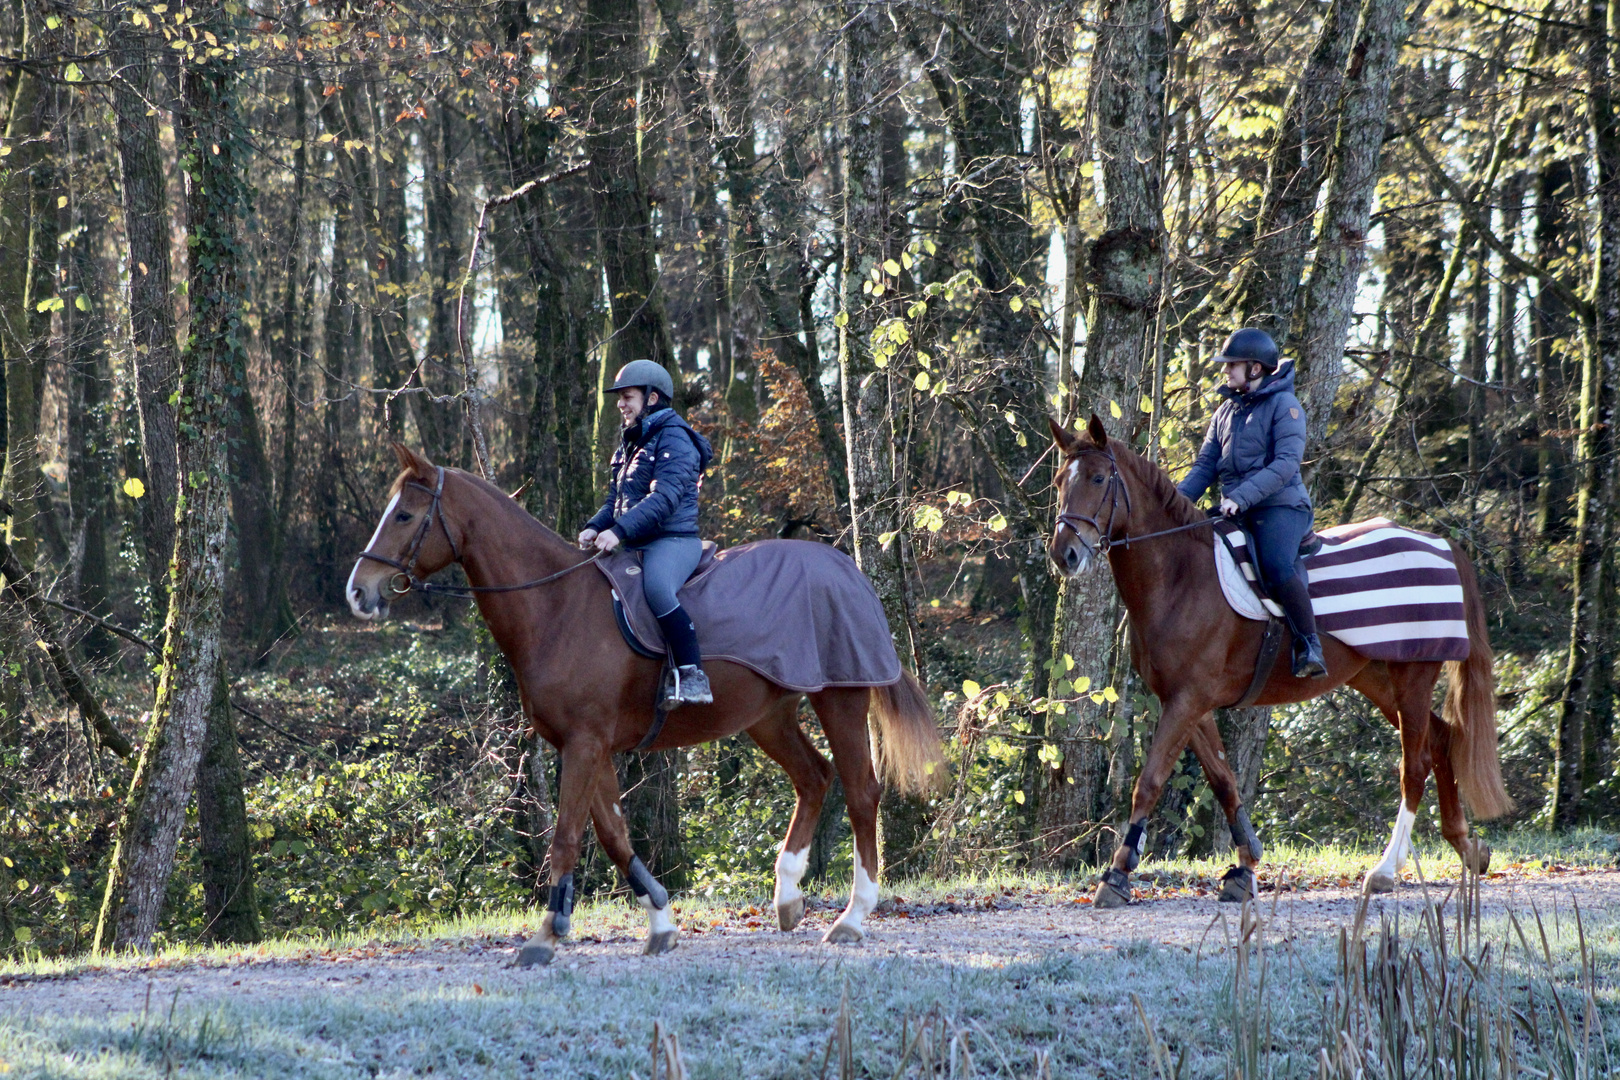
x=799, y=613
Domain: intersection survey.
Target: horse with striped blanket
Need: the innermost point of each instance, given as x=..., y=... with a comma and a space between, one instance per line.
x=1196, y=654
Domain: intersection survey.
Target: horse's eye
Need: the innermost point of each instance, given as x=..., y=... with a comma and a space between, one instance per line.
x=1096, y=479
x=402, y=517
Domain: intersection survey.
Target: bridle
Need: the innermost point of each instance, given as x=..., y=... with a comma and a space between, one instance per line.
x=1115, y=491
x=407, y=569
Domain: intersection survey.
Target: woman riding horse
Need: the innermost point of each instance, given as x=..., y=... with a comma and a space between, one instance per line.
x=1254, y=446
x=652, y=507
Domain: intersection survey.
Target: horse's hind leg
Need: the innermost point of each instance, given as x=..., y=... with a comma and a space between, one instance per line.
x=614, y=836
x=785, y=743
x=1476, y=854
x=1237, y=884
x=581, y=764
x=843, y=718
x=1403, y=693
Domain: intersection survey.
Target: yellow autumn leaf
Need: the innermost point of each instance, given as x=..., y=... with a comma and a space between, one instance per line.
x=1147, y=404
x=891, y=268
x=1082, y=684
x=970, y=689
x=1110, y=694
x=1018, y=797
x=134, y=488
x=1114, y=410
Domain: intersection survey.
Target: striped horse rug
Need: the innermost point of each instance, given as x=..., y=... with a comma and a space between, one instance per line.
x=1388, y=592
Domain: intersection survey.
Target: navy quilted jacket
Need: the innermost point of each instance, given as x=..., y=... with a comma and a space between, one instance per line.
x=1254, y=446
x=653, y=486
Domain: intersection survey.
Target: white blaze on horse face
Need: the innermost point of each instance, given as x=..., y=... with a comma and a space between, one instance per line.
x=348, y=588
x=658, y=920
x=790, y=868
x=1400, y=844
x=862, y=898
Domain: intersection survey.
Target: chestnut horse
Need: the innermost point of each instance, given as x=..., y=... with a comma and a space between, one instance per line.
x=1196, y=655
x=585, y=692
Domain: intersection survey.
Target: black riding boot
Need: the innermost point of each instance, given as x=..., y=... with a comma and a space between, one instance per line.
x=1295, y=599
x=691, y=685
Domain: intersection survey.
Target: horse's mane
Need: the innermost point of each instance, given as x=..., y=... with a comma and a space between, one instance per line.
x=1157, y=483
x=488, y=488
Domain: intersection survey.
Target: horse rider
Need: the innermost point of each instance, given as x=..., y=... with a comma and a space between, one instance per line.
x=1254, y=446
x=652, y=507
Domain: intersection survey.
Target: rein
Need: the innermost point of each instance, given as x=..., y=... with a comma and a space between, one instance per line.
x=1116, y=488
x=407, y=569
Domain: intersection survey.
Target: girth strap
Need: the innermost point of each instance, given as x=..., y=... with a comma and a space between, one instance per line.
x=1270, y=646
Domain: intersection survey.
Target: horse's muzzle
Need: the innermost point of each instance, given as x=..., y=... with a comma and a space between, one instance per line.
x=367, y=603
x=1071, y=554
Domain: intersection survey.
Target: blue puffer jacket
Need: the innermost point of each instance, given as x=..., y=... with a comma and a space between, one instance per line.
x=1254, y=446
x=653, y=486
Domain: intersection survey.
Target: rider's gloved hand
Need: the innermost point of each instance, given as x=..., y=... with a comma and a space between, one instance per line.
x=607, y=541
x=1229, y=508
x=586, y=537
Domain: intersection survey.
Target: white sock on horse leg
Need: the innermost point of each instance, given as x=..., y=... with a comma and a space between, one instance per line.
x=1400, y=843
x=863, y=897
x=790, y=869
x=658, y=920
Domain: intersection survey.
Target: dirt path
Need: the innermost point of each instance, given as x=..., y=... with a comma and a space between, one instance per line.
x=988, y=930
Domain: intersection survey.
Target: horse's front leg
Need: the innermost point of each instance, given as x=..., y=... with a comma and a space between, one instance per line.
x=1176, y=726
x=614, y=836
x=581, y=761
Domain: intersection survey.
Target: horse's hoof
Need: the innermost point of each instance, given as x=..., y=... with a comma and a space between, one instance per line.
x=530, y=955
x=1237, y=885
x=660, y=943
x=843, y=934
x=790, y=914
x=1480, y=863
x=1379, y=883
x=1107, y=896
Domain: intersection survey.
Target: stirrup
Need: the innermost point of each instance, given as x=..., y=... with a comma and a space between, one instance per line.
x=687, y=685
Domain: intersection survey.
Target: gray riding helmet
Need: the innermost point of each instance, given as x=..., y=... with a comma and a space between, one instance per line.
x=644, y=373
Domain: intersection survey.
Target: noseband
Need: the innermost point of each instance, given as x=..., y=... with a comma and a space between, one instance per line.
x=407, y=569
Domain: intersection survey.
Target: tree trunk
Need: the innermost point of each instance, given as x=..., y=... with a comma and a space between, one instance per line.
x=89, y=453
x=21, y=233
x=146, y=236
x=217, y=159
x=1127, y=101
x=229, y=899
x=611, y=39
x=1588, y=674
x=1341, y=241
x=1268, y=289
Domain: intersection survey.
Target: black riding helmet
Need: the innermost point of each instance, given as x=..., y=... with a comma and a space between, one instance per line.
x=1251, y=346
x=645, y=375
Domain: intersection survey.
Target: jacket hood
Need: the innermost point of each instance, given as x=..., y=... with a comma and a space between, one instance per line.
x=1278, y=381
x=652, y=423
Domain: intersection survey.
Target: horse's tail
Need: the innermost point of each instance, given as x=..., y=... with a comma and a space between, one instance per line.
x=1470, y=708
x=906, y=747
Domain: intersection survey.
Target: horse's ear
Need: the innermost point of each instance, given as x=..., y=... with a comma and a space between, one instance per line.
x=1098, y=434
x=411, y=461
x=1062, y=436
